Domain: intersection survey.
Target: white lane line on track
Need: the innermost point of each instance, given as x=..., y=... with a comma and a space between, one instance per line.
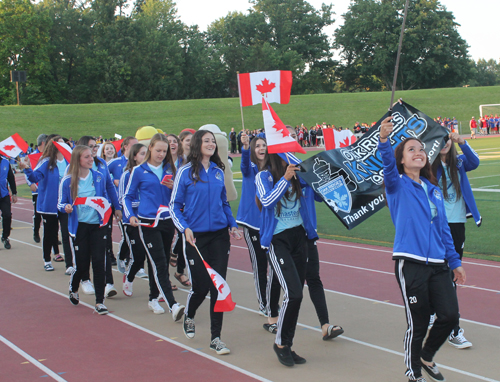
x=32, y=360
x=359, y=342
x=192, y=350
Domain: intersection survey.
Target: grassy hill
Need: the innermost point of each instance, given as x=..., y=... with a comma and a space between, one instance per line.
x=173, y=116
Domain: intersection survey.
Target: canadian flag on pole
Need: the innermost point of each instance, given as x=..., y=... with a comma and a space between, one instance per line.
x=64, y=149
x=224, y=300
x=275, y=86
x=98, y=203
x=277, y=135
x=161, y=210
x=335, y=139
x=13, y=146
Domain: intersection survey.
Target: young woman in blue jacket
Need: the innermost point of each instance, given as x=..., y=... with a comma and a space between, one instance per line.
x=423, y=251
x=87, y=235
x=152, y=182
x=266, y=286
x=201, y=212
x=284, y=230
x=48, y=173
x=451, y=171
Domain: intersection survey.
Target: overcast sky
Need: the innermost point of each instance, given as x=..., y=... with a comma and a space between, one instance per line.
x=478, y=19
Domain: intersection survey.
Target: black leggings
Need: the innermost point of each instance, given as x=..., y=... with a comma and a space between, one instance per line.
x=37, y=217
x=5, y=207
x=316, y=290
x=214, y=247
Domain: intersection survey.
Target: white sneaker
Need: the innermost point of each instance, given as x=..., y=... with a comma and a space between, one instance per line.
x=121, y=266
x=110, y=291
x=141, y=274
x=128, y=287
x=177, y=311
x=459, y=340
x=69, y=271
x=155, y=307
x=87, y=287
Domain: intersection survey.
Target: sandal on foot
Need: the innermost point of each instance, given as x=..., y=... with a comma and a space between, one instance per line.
x=58, y=258
x=332, y=332
x=182, y=278
x=173, y=260
x=173, y=286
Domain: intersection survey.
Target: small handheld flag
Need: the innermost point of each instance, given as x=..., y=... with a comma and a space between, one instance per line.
x=64, y=149
x=99, y=203
x=13, y=146
x=160, y=211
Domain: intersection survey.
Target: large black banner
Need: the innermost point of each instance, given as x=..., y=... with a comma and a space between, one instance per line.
x=350, y=179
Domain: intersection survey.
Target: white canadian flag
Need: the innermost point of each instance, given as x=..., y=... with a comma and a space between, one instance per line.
x=275, y=86
x=224, y=300
x=98, y=203
x=13, y=146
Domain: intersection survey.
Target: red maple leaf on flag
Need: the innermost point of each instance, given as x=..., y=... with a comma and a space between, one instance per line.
x=9, y=147
x=219, y=288
x=99, y=202
x=346, y=142
x=266, y=86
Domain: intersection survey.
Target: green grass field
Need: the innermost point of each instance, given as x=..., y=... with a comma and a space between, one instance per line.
x=340, y=109
x=173, y=116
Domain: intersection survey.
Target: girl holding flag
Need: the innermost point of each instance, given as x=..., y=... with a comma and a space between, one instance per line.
x=152, y=183
x=201, y=212
x=285, y=228
x=423, y=251
x=48, y=173
x=86, y=227
x=451, y=172
x=252, y=161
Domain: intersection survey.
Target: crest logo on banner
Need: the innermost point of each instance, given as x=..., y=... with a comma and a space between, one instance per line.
x=350, y=179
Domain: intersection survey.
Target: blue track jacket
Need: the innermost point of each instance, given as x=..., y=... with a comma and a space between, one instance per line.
x=152, y=194
x=468, y=161
x=419, y=237
x=205, y=204
x=121, y=196
x=270, y=195
x=248, y=213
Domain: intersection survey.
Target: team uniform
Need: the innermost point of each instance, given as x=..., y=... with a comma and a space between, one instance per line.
x=7, y=180
x=266, y=286
x=37, y=217
x=423, y=250
x=285, y=238
x=203, y=208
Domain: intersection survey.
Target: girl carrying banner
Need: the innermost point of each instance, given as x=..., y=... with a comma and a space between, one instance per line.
x=423, y=251
x=152, y=182
x=85, y=225
x=48, y=173
x=451, y=172
x=284, y=230
x=201, y=212
x=266, y=286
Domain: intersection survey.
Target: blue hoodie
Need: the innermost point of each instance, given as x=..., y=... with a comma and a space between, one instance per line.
x=202, y=207
x=65, y=198
x=152, y=194
x=121, y=196
x=48, y=186
x=248, y=212
x=468, y=161
x=270, y=195
x=419, y=237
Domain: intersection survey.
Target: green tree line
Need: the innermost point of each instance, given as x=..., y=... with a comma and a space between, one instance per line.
x=87, y=51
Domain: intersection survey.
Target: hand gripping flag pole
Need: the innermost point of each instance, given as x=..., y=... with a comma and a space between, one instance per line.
x=398, y=56
x=224, y=301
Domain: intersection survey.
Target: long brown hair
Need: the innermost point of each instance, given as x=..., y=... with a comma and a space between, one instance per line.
x=195, y=155
x=451, y=162
x=50, y=151
x=182, y=136
x=179, y=148
x=253, y=157
x=84, y=141
x=103, y=156
x=277, y=167
x=125, y=142
x=134, y=150
x=425, y=172
x=158, y=137
x=74, y=168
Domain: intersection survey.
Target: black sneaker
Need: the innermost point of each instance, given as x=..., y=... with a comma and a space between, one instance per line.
x=188, y=327
x=298, y=359
x=419, y=379
x=101, y=309
x=74, y=298
x=271, y=328
x=6, y=243
x=433, y=372
x=284, y=355
x=219, y=347
x=36, y=238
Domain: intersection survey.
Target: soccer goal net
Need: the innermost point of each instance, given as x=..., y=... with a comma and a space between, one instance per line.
x=489, y=109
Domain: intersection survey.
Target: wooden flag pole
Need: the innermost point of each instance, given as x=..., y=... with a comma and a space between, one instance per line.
x=241, y=107
x=398, y=55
